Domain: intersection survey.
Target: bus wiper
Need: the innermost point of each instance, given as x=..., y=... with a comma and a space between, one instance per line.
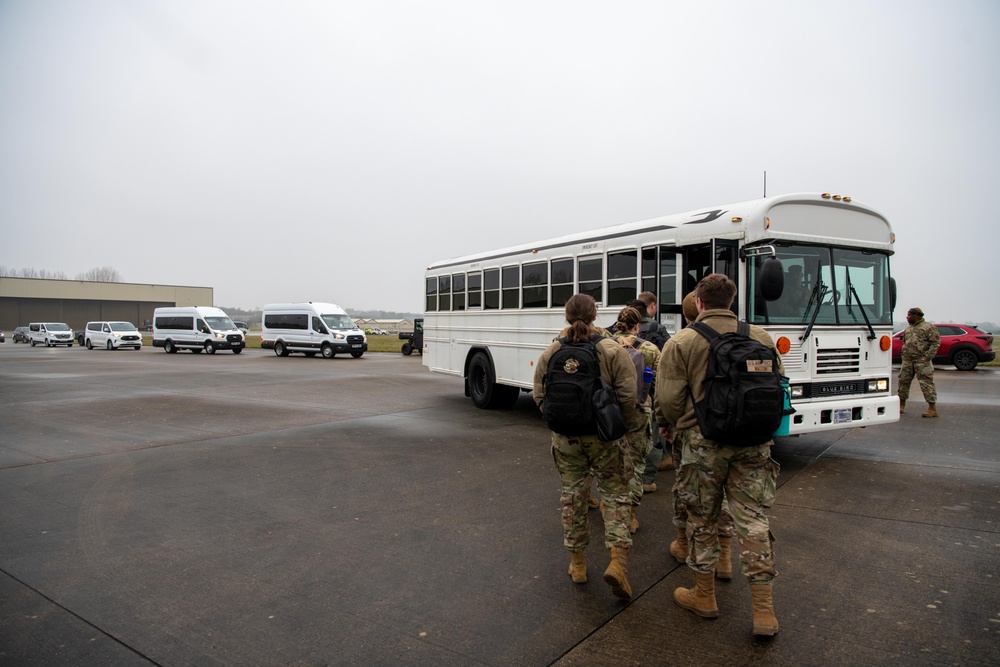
x=822, y=289
x=857, y=299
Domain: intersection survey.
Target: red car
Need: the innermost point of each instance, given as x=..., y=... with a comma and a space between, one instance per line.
x=962, y=346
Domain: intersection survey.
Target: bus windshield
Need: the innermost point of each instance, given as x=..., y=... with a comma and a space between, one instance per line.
x=824, y=285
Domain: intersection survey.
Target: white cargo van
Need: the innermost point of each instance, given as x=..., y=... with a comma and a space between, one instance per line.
x=50, y=333
x=310, y=328
x=195, y=328
x=112, y=335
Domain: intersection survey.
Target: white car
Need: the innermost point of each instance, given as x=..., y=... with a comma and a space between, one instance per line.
x=50, y=333
x=112, y=335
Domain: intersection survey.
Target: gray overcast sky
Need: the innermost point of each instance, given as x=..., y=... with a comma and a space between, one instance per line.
x=330, y=151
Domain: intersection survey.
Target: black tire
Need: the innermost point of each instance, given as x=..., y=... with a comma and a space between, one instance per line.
x=109, y=346
x=280, y=350
x=32, y=342
x=195, y=350
x=237, y=350
x=169, y=347
x=965, y=360
x=356, y=355
x=90, y=344
x=484, y=390
x=209, y=348
x=407, y=349
x=327, y=351
x=309, y=354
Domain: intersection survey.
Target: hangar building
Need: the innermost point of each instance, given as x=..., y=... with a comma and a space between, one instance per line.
x=76, y=302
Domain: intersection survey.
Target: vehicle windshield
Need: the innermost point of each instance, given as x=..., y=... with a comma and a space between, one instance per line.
x=56, y=326
x=833, y=284
x=339, y=322
x=123, y=326
x=220, y=323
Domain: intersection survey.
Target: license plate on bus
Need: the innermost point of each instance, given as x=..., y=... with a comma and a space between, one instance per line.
x=842, y=416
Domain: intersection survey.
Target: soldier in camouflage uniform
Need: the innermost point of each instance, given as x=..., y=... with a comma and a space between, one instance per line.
x=709, y=471
x=640, y=439
x=920, y=343
x=579, y=457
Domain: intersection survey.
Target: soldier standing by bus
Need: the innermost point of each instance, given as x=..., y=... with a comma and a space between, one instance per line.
x=920, y=343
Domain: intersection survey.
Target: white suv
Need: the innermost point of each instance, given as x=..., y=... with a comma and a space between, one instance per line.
x=50, y=333
x=111, y=335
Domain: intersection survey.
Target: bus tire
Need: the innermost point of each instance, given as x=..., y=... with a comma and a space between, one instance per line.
x=407, y=350
x=484, y=390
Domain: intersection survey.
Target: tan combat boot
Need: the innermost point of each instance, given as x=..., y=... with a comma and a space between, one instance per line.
x=765, y=623
x=931, y=410
x=633, y=524
x=724, y=570
x=701, y=598
x=667, y=463
x=902, y=404
x=614, y=576
x=578, y=567
x=679, y=547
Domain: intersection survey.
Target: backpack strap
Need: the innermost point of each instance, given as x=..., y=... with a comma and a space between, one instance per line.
x=743, y=329
x=708, y=332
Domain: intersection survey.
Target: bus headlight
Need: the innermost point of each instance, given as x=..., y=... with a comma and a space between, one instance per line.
x=796, y=391
x=880, y=384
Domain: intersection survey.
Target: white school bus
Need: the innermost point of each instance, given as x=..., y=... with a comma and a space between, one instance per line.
x=812, y=269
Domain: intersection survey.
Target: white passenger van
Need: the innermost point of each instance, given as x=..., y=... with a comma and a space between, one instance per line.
x=310, y=328
x=50, y=333
x=195, y=328
x=112, y=335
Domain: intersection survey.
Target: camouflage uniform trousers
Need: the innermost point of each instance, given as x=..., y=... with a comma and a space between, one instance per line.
x=577, y=459
x=923, y=369
x=726, y=527
x=747, y=477
x=640, y=444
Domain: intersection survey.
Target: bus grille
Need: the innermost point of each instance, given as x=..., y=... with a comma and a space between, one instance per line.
x=842, y=360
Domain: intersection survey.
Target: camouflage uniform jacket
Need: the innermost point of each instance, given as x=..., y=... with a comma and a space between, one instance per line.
x=616, y=369
x=921, y=341
x=683, y=366
x=650, y=353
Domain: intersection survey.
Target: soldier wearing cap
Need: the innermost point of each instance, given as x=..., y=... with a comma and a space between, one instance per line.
x=920, y=343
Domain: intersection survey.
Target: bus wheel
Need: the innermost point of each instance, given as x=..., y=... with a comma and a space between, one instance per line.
x=485, y=392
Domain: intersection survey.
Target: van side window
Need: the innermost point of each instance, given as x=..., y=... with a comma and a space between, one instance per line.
x=107, y=329
x=318, y=325
x=202, y=327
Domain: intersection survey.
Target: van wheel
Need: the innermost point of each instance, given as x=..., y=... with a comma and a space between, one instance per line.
x=169, y=347
x=309, y=354
x=237, y=350
x=327, y=351
x=356, y=355
x=90, y=345
x=280, y=349
x=32, y=342
x=209, y=348
x=109, y=346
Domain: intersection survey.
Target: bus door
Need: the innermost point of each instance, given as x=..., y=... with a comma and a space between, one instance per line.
x=717, y=256
x=660, y=276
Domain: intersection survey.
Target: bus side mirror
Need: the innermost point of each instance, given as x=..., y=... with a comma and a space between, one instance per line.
x=772, y=279
x=892, y=294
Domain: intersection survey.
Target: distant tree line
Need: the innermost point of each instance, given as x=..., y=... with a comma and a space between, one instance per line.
x=98, y=274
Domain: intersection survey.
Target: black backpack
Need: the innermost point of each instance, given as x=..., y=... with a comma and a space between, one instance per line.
x=744, y=399
x=571, y=379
